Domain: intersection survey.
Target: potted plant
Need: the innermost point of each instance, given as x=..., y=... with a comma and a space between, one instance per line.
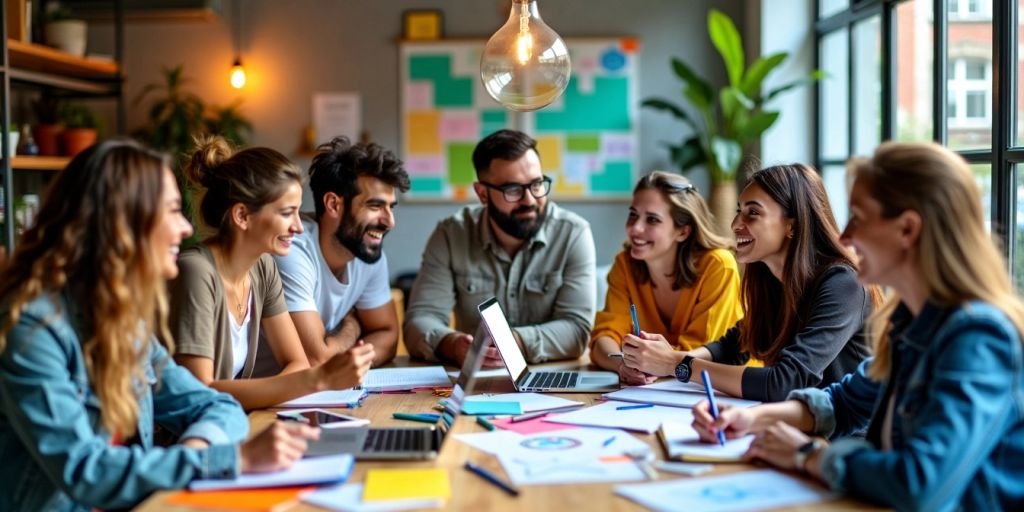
x=730, y=118
x=64, y=33
x=229, y=123
x=175, y=116
x=47, y=130
x=80, y=126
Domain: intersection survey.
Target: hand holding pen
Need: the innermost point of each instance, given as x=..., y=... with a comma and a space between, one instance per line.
x=712, y=406
x=734, y=422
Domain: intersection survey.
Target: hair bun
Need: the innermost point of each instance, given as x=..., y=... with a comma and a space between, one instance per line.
x=209, y=153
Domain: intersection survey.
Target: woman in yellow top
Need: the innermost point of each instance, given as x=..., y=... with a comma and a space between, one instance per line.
x=678, y=272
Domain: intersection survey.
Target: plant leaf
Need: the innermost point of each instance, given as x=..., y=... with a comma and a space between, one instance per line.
x=751, y=84
x=687, y=155
x=667, y=106
x=753, y=127
x=727, y=40
x=733, y=100
x=813, y=77
x=727, y=155
x=701, y=88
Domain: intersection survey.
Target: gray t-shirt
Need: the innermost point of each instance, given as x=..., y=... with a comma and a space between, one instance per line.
x=199, y=318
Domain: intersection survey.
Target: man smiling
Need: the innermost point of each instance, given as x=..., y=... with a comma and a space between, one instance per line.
x=518, y=246
x=336, y=275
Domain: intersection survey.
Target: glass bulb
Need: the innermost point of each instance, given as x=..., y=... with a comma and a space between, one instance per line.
x=525, y=64
x=237, y=74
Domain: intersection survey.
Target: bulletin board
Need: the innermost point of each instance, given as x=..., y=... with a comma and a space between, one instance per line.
x=587, y=138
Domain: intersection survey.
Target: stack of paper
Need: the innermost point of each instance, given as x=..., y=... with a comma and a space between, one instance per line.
x=529, y=402
x=340, y=398
x=748, y=490
x=320, y=470
x=422, y=487
x=681, y=442
x=609, y=415
x=646, y=395
x=398, y=379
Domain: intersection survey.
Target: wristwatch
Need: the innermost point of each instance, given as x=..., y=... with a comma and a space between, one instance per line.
x=804, y=451
x=684, y=369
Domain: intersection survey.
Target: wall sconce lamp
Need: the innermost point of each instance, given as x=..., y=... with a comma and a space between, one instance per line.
x=237, y=70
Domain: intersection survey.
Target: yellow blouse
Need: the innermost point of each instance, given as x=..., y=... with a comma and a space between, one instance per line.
x=704, y=311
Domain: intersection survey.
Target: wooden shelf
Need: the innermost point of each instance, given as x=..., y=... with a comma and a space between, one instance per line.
x=43, y=59
x=40, y=163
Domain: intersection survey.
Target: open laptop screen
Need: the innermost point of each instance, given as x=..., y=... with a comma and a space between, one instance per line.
x=464, y=384
x=501, y=333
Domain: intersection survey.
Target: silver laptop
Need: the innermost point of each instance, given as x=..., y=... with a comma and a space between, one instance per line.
x=524, y=379
x=397, y=443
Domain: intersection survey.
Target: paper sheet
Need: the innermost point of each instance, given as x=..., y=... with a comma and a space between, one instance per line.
x=534, y=426
x=339, y=398
x=316, y=470
x=682, y=442
x=482, y=374
x=607, y=414
x=748, y=490
x=680, y=387
x=530, y=402
x=671, y=398
x=394, y=379
x=349, y=498
x=571, y=470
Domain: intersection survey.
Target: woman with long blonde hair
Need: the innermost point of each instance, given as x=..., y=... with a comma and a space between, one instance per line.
x=680, y=275
x=943, y=398
x=83, y=379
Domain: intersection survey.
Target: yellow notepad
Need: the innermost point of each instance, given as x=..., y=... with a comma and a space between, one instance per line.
x=406, y=484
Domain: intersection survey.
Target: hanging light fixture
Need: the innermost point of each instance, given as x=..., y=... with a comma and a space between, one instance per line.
x=525, y=65
x=237, y=70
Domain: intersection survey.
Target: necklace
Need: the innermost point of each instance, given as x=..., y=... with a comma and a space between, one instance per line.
x=239, y=298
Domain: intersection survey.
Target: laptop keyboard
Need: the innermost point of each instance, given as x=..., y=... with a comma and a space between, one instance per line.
x=553, y=380
x=395, y=440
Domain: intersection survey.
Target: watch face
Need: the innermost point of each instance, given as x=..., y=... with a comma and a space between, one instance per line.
x=683, y=372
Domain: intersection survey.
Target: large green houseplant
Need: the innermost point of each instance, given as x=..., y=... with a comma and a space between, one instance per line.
x=730, y=118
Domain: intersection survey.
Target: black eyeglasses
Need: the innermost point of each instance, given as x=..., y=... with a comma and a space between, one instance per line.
x=514, y=192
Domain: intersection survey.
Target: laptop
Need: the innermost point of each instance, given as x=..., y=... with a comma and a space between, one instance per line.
x=524, y=379
x=400, y=443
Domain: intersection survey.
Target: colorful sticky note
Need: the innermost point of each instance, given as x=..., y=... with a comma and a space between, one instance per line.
x=385, y=484
x=479, y=407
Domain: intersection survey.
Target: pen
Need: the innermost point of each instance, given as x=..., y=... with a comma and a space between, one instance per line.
x=631, y=407
x=527, y=417
x=492, y=478
x=636, y=323
x=486, y=424
x=424, y=418
x=711, y=402
x=608, y=441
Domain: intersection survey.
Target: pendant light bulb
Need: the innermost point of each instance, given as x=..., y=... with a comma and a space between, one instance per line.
x=237, y=74
x=525, y=65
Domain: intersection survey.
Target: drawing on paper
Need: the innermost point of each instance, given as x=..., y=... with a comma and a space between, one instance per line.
x=549, y=443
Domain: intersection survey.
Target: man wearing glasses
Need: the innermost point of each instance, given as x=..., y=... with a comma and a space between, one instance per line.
x=518, y=246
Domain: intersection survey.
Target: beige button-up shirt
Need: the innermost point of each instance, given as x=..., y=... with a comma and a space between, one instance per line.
x=546, y=290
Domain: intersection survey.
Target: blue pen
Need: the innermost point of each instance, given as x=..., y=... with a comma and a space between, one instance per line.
x=636, y=323
x=492, y=478
x=711, y=402
x=608, y=441
x=631, y=407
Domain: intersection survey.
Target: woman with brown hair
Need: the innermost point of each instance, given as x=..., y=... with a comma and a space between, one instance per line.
x=229, y=293
x=83, y=379
x=804, y=308
x=675, y=269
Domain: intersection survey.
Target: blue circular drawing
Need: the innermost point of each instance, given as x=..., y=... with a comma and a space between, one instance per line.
x=613, y=59
x=550, y=443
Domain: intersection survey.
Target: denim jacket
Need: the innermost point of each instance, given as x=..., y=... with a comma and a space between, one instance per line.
x=957, y=422
x=57, y=455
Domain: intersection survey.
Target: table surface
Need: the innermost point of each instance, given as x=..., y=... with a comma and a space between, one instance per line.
x=469, y=492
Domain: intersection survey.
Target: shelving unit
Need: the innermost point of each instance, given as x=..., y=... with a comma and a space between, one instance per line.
x=34, y=65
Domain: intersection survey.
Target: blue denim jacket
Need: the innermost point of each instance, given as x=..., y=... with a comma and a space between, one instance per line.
x=958, y=416
x=56, y=454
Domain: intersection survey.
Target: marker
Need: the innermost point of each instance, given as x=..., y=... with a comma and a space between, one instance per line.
x=711, y=402
x=423, y=418
x=492, y=478
x=636, y=323
x=527, y=417
x=631, y=407
x=608, y=441
x=486, y=424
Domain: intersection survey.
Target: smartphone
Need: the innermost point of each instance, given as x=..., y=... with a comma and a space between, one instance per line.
x=321, y=418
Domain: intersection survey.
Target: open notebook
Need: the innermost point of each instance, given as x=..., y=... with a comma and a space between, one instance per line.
x=681, y=442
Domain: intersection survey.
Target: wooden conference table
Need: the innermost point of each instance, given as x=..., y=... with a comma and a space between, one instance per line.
x=470, y=492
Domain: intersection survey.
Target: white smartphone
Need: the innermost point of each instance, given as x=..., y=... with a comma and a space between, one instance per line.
x=321, y=418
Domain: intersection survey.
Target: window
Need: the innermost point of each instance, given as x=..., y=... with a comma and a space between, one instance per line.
x=970, y=88
x=969, y=9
